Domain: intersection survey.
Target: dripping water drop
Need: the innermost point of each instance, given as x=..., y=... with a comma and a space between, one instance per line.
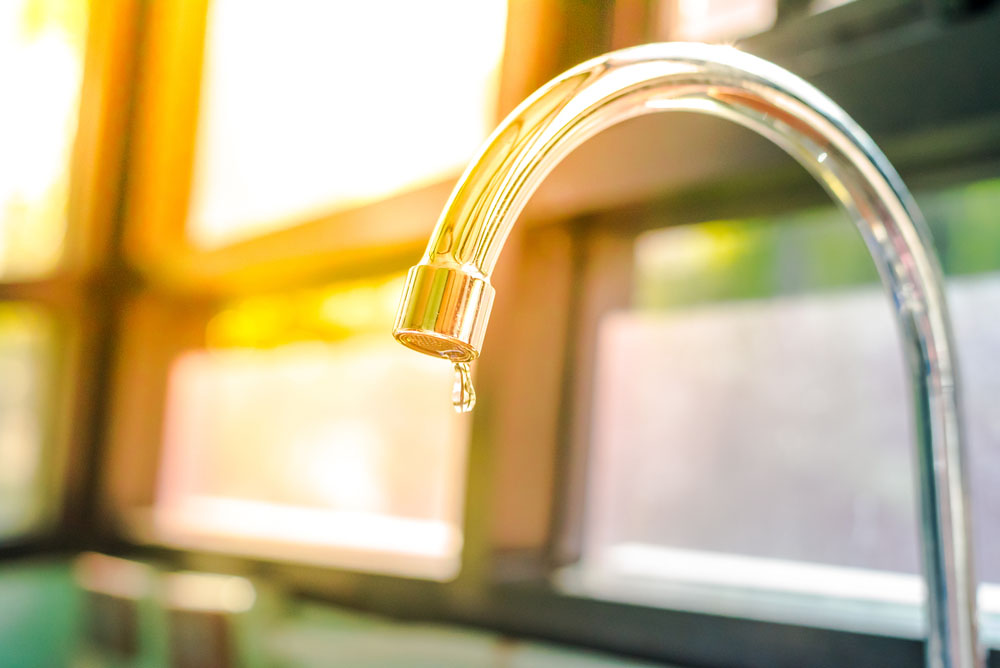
x=463, y=394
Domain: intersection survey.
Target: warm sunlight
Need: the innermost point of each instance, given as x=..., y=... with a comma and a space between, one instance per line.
x=41, y=70
x=312, y=107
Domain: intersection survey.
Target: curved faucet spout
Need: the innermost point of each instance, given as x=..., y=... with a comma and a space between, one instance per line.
x=447, y=301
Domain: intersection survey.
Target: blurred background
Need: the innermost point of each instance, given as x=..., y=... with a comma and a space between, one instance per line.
x=693, y=447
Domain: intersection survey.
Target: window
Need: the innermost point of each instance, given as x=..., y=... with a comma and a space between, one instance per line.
x=276, y=194
x=750, y=444
x=42, y=46
x=348, y=103
x=306, y=432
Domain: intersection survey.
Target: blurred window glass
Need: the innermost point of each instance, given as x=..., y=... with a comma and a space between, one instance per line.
x=751, y=425
x=26, y=344
x=312, y=435
x=715, y=20
x=41, y=70
x=309, y=107
x=729, y=20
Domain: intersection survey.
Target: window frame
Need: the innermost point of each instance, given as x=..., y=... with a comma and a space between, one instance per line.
x=169, y=274
x=80, y=292
x=390, y=231
x=524, y=443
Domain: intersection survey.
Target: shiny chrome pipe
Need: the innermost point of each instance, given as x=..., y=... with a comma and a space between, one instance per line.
x=446, y=304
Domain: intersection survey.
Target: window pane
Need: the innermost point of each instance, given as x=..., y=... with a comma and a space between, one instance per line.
x=752, y=424
x=343, y=451
x=41, y=70
x=726, y=21
x=715, y=20
x=754, y=440
x=309, y=107
x=25, y=366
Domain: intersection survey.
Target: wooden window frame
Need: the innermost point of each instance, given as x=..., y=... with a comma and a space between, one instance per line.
x=81, y=291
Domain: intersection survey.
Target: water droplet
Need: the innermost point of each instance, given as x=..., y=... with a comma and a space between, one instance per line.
x=463, y=394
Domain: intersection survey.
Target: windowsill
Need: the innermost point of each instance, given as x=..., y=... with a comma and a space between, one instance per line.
x=771, y=590
x=291, y=534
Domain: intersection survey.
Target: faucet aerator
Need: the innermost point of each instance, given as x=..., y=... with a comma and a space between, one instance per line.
x=445, y=314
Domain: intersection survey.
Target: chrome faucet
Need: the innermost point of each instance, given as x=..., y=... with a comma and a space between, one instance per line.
x=447, y=300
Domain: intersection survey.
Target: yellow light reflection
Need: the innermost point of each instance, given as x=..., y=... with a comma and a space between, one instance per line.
x=309, y=107
x=328, y=314
x=691, y=247
x=41, y=71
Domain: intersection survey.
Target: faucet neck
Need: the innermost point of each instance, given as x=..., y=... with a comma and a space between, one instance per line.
x=447, y=301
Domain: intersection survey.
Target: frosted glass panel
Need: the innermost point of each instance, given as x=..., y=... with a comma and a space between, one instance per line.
x=751, y=445
x=309, y=107
x=344, y=453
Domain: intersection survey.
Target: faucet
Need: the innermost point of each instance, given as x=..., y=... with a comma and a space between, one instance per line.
x=446, y=302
